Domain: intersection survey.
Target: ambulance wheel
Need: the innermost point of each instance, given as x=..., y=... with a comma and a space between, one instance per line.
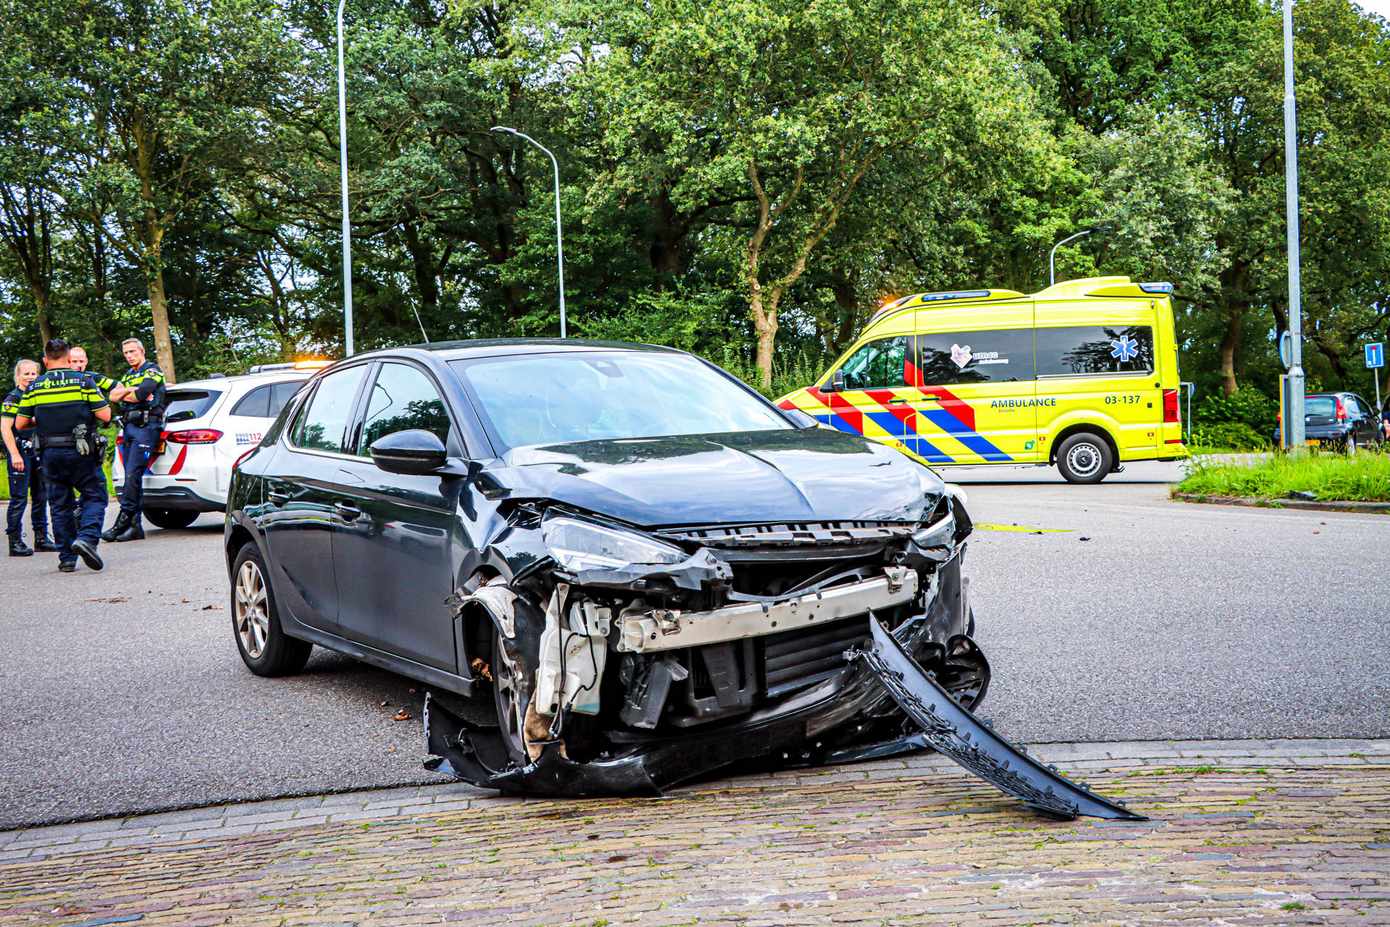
x=264, y=646
x=1085, y=458
x=170, y=518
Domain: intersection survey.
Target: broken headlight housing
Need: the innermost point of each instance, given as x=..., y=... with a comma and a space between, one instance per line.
x=578, y=544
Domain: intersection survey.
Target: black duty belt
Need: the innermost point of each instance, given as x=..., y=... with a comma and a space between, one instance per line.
x=47, y=441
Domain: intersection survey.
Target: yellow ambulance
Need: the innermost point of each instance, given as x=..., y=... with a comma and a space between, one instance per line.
x=1083, y=375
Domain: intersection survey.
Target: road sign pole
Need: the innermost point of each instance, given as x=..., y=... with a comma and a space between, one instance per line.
x=1375, y=360
x=1297, y=434
x=343, y=176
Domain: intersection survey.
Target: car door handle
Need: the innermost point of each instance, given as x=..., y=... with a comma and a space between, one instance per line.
x=349, y=512
x=897, y=402
x=277, y=498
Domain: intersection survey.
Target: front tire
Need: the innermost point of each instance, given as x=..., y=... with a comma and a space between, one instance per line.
x=1085, y=458
x=264, y=646
x=508, y=702
x=171, y=518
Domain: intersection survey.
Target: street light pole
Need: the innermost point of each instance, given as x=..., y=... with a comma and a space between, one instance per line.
x=559, y=237
x=1052, y=255
x=343, y=173
x=1297, y=432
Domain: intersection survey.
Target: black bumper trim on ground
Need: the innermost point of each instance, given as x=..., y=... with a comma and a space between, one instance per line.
x=958, y=735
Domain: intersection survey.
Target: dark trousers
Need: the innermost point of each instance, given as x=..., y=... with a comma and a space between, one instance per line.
x=26, y=485
x=137, y=447
x=67, y=472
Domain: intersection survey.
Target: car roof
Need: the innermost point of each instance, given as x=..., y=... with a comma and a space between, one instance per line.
x=221, y=384
x=493, y=347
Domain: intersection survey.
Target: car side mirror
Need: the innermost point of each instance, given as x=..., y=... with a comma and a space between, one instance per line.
x=414, y=452
x=836, y=384
x=801, y=419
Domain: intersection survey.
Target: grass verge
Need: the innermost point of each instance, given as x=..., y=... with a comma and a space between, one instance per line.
x=1364, y=477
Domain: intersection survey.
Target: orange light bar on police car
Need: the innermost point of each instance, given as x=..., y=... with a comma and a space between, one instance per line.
x=312, y=364
x=194, y=436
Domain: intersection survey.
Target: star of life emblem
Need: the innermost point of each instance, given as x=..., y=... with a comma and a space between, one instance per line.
x=1124, y=348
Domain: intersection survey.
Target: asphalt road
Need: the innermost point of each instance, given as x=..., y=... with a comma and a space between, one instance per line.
x=1128, y=617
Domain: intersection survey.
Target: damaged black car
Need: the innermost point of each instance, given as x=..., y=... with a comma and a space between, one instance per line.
x=618, y=568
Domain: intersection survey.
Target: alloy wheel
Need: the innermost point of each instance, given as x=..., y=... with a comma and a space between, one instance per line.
x=252, y=609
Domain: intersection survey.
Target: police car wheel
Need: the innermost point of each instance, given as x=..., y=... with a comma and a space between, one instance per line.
x=1084, y=458
x=265, y=648
x=170, y=518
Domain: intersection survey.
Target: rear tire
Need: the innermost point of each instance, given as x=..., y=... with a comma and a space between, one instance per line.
x=264, y=646
x=171, y=518
x=1085, y=457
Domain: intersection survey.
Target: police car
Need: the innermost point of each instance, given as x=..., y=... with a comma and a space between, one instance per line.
x=208, y=424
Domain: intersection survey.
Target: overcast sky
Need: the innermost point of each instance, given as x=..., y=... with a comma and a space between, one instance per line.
x=1379, y=7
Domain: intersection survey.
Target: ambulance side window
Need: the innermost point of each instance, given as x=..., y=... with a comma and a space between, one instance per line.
x=1004, y=355
x=880, y=364
x=1095, y=349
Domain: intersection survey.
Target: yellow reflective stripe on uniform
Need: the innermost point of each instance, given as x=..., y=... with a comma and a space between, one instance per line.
x=50, y=396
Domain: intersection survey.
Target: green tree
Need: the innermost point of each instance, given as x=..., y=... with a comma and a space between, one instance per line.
x=765, y=120
x=163, y=100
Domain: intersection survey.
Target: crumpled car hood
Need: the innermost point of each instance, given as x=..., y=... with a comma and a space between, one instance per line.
x=810, y=474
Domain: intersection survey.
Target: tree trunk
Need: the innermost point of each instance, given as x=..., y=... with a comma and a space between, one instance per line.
x=45, y=323
x=765, y=323
x=1235, y=299
x=847, y=301
x=667, y=233
x=159, y=310
x=1230, y=344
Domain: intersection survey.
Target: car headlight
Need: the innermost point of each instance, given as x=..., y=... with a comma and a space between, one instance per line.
x=584, y=545
x=940, y=533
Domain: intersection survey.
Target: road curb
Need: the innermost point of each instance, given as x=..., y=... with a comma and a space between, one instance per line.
x=1362, y=508
x=374, y=806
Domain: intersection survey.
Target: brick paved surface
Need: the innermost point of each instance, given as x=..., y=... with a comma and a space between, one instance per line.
x=1242, y=832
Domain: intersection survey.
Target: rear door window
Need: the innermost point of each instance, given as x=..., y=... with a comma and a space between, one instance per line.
x=181, y=405
x=254, y=404
x=323, y=423
x=280, y=394
x=995, y=356
x=1095, y=349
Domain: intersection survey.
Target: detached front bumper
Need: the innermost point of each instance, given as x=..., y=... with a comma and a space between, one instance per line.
x=791, y=734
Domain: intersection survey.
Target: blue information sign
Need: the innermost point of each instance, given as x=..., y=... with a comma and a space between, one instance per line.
x=1375, y=354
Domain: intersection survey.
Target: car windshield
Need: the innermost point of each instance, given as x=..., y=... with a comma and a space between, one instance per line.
x=535, y=399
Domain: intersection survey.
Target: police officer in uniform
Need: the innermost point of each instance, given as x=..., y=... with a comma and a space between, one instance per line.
x=26, y=482
x=64, y=408
x=142, y=411
x=109, y=388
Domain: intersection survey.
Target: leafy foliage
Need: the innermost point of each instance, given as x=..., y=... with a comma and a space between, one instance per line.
x=743, y=179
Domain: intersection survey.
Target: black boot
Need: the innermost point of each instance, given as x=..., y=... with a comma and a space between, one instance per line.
x=135, y=531
x=44, y=544
x=122, y=523
x=19, y=549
